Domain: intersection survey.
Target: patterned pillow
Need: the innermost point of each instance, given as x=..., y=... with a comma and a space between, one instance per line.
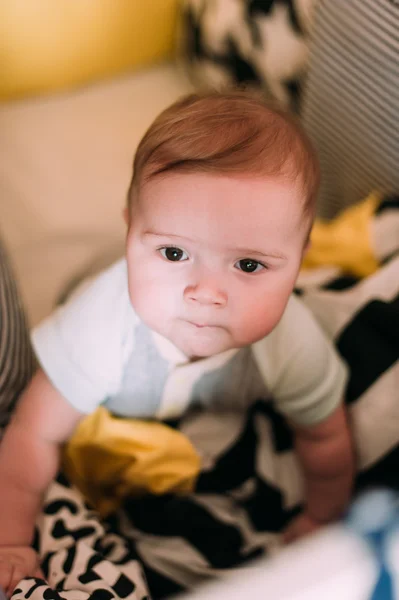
x=262, y=43
x=16, y=356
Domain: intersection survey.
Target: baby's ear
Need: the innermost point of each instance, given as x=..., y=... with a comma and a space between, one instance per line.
x=307, y=246
x=125, y=213
x=308, y=241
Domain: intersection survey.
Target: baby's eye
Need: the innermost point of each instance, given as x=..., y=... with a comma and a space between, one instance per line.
x=247, y=265
x=173, y=254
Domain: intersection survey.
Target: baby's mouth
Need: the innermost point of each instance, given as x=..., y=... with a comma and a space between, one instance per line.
x=201, y=325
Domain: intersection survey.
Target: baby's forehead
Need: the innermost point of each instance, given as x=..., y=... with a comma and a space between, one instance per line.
x=193, y=192
x=231, y=209
x=174, y=180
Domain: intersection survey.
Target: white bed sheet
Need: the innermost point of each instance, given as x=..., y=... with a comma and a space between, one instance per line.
x=65, y=164
x=330, y=565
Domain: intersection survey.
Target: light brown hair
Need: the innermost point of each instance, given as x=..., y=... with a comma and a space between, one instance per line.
x=228, y=134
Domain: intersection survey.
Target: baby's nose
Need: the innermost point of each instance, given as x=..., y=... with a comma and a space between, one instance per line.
x=206, y=293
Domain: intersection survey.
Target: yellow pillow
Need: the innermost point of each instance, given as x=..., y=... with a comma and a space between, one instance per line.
x=109, y=459
x=48, y=45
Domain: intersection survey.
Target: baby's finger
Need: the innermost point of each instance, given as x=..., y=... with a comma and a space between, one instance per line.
x=5, y=575
x=293, y=532
x=16, y=576
x=38, y=574
x=289, y=536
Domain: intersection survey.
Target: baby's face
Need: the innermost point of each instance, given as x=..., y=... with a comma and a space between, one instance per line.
x=212, y=260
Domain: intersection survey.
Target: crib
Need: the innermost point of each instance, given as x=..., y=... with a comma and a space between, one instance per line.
x=82, y=83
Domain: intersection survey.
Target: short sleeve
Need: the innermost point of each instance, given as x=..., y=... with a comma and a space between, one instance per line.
x=81, y=346
x=301, y=367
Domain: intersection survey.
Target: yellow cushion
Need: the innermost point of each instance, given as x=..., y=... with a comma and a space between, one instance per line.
x=110, y=458
x=48, y=45
x=345, y=242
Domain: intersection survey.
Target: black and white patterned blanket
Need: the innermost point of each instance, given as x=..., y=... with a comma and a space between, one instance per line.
x=249, y=486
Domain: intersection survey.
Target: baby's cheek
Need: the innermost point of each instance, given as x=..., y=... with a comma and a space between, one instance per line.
x=261, y=317
x=149, y=298
x=143, y=296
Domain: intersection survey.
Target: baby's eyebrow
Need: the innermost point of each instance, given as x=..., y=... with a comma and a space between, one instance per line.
x=251, y=252
x=163, y=234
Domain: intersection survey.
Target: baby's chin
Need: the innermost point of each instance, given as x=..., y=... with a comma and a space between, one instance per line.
x=198, y=349
x=198, y=342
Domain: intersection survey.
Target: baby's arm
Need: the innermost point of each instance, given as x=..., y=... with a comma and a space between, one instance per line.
x=29, y=457
x=326, y=456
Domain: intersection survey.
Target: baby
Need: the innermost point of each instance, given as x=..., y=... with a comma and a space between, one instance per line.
x=218, y=218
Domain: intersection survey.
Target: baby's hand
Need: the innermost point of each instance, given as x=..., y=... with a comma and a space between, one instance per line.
x=299, y=527
x=17, y=562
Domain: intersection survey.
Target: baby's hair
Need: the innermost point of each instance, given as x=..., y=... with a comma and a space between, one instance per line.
x=232, y=133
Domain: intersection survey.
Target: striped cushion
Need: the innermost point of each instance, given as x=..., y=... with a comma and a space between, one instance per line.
x=16, y=357
x=351, y=101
